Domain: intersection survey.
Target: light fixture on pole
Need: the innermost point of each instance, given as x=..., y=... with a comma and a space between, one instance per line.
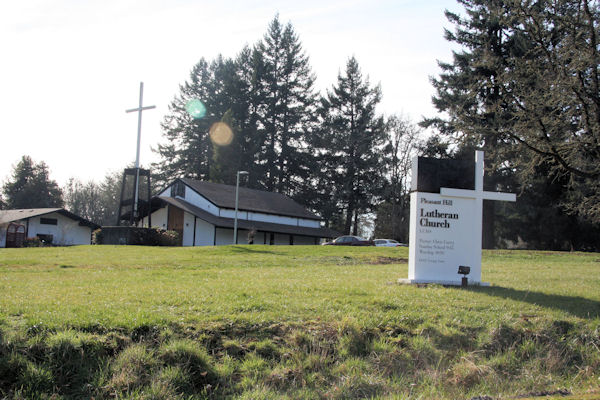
x=237, y=189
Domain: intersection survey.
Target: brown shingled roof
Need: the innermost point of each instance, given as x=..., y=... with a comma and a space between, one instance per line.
x=249, y=199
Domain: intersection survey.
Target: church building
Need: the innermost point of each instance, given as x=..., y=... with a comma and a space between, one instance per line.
x=203, y=213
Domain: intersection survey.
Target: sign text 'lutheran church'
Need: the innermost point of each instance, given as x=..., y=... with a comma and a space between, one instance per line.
x=446, y=208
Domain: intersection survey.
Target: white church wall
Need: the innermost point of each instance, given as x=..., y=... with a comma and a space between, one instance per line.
x=276, y=219
x=205, y=236
x=281, y=239
x=243, y=236
x=309, y=223
x=201, y=202
x=159, y=218
x=188, y=229
x=259, y=238
x=3, y=228
x=224, y=236
x=66, y=231
x=228, y=213
x=205, y=233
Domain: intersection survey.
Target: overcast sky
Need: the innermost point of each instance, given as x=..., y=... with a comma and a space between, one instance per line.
x=70, y=68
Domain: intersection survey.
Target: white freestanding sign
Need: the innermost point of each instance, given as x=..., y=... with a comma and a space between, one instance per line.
x=446, y=230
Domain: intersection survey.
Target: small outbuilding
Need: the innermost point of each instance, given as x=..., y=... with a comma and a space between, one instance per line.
x=54, y=226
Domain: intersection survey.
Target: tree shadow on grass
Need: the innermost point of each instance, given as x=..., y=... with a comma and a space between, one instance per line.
x=575, y=305
x=248, y=249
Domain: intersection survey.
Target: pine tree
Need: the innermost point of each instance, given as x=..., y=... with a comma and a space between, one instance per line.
x=266, y=95
x=31, y=187
x=246, y=98
x=214, y=90
x=188, y=150
x=350, y=144
x=226, y=156
x=287, y=112
x=526, y=86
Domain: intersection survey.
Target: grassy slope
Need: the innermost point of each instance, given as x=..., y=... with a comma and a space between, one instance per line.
x=291, y=321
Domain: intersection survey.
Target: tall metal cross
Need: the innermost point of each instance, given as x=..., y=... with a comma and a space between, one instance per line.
x=139, y=110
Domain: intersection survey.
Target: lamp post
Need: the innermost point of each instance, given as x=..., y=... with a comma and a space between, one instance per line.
x=237, y=196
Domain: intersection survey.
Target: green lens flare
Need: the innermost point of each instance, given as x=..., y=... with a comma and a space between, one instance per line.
x=195, y=108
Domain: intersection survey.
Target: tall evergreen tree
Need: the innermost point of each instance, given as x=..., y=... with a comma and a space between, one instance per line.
x=350, y=144
x=287, y=114
x=526, y=86
x=226, y=156
x=246, y=97
x=223, y=91
x=30, y=186
x=266, y=94
x=188, y=150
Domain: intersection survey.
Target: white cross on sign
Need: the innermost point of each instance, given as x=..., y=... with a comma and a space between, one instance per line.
x=446, y=231
x=137, y=154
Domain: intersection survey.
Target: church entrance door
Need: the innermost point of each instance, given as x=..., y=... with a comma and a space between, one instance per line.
x=175, y=222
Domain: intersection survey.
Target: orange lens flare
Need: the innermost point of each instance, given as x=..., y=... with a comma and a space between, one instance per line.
x=221, y=134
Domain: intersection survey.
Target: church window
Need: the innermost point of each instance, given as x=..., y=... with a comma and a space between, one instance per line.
x=178, y=190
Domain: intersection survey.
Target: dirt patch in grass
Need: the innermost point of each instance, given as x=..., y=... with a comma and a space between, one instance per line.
x=348, y=260
x=545, y=393
x=388, y=260
x=339, y=260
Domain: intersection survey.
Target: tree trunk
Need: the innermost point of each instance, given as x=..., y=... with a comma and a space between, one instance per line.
x=349, y=214
x=355, y=230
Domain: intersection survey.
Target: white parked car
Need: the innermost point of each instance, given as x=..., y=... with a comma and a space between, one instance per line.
x=388, y=243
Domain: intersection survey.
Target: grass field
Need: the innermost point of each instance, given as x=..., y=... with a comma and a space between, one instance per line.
x=291, y=322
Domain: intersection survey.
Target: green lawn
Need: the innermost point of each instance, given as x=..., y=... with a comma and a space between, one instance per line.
x=291, y=321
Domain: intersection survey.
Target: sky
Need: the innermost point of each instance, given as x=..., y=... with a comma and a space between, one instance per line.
x=70, y=68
